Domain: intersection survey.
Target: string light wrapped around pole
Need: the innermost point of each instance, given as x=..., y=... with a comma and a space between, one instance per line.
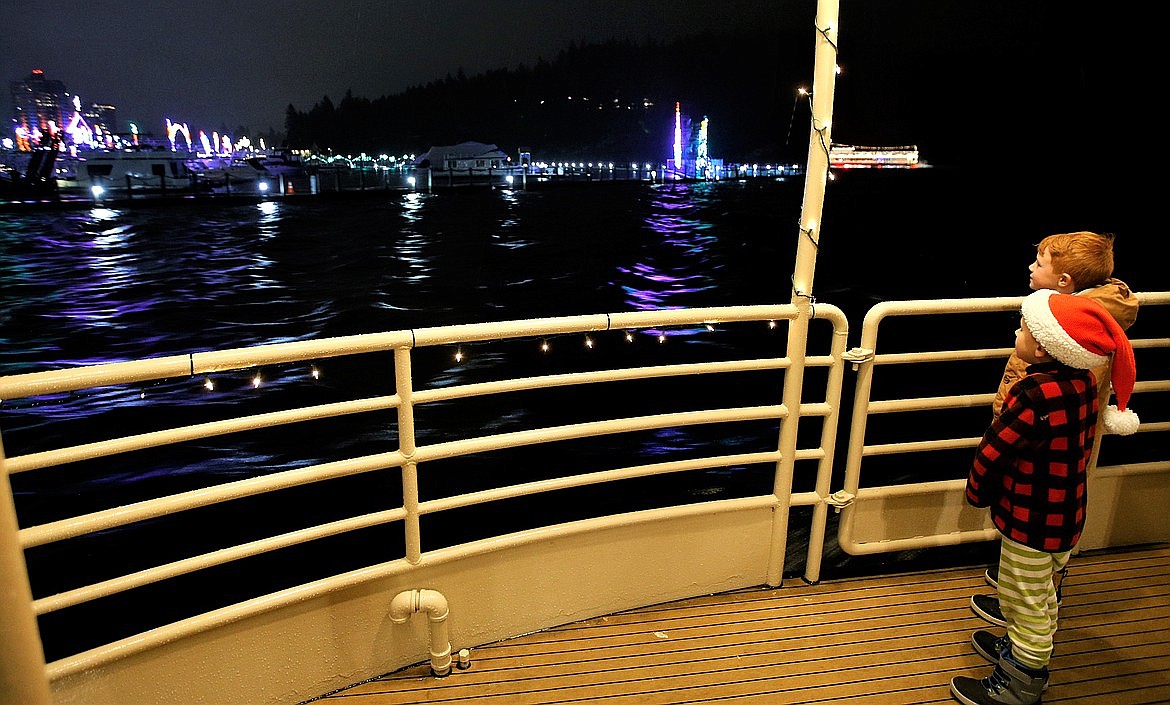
x=816, y=175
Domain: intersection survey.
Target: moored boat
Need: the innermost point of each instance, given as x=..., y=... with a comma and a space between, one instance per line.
x=848, y=156
x=228, y=170
x=119, y=171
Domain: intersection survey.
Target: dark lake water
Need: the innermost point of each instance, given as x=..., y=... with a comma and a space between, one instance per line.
x=96, y=285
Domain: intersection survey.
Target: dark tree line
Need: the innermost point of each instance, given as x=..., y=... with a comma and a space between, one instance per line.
x=612, y=100
x=1040, y=80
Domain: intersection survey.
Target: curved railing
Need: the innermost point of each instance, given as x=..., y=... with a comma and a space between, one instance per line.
x=406, y=448
x=527, y=473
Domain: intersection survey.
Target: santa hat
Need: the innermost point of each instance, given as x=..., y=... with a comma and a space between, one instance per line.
x=1081, y=333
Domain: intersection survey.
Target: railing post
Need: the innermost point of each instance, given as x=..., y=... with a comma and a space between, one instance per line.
x=405, y=389
x=22, y=669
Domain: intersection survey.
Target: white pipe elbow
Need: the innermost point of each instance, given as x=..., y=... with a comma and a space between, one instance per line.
x=430, y=602
x=433, y=604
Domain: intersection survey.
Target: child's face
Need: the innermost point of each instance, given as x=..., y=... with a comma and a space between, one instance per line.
x=1027, y=348
x=1045, y=276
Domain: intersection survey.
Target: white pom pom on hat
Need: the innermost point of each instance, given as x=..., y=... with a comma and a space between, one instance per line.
x=1081, y=333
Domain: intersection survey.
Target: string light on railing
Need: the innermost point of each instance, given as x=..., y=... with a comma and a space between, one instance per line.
x=257, y=380
x=771, y=324
x=590, y=341
x=209, y=384
x=315, y=372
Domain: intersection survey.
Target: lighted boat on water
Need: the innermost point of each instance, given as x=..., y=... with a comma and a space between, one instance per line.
x=128, y=170
x=229, y=170
x=416, y=602
x=848, y=156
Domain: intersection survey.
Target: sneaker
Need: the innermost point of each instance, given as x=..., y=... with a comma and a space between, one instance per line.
x=987, y=607
x=990, y=646
x=991, y=577
x=1009, y=684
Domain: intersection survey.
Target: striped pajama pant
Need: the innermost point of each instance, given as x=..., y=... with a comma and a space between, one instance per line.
x=1027, y=599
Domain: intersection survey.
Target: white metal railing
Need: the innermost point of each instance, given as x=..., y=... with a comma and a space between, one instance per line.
x=882, y=517
x=411, y=453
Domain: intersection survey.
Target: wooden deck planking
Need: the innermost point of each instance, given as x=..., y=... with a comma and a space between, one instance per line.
x=891, y=639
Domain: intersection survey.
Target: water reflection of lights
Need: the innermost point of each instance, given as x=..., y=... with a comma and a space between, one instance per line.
x=668, y=277
x=410, y=249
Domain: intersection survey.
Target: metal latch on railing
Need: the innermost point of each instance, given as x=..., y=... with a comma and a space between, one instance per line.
x=840, y=499
x=857, y=356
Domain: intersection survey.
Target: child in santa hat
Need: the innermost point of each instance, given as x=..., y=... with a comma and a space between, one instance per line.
x=1078, y=263
x=1029, y=469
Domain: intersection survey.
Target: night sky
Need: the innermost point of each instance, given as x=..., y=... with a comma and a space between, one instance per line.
x=915, y=71
x=242, y=62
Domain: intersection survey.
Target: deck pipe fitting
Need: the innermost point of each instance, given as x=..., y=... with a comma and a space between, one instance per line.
x=410, y=602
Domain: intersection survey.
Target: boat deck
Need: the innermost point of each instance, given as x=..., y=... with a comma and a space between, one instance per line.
x=890, y=639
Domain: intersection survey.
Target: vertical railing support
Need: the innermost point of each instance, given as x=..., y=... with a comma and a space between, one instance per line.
x=406, y=444
x=22, y=667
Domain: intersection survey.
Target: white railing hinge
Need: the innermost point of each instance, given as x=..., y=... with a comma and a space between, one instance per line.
x=857, y=356
x=840, y=499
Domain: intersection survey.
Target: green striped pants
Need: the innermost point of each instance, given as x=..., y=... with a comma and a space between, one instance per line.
x=1027, y=599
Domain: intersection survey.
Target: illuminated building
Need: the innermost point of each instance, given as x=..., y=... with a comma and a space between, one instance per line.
x=41, y=107
x=102, y=117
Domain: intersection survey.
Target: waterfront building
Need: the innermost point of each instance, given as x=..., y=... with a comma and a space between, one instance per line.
x=463, y=157
x=40, y=108
x=103, y=119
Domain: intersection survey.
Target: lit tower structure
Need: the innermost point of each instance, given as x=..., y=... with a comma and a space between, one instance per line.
x=702, y=160
x=678, y=161
x=691, y=156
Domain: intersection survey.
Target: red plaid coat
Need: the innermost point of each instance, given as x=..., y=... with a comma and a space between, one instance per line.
x=1030, y=466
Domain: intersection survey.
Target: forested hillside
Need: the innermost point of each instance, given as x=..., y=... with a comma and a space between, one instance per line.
x=612, y=100
x=1038, y=84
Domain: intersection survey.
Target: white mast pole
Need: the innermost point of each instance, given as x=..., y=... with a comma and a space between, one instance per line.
x=815, y=176
x=817, y=169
